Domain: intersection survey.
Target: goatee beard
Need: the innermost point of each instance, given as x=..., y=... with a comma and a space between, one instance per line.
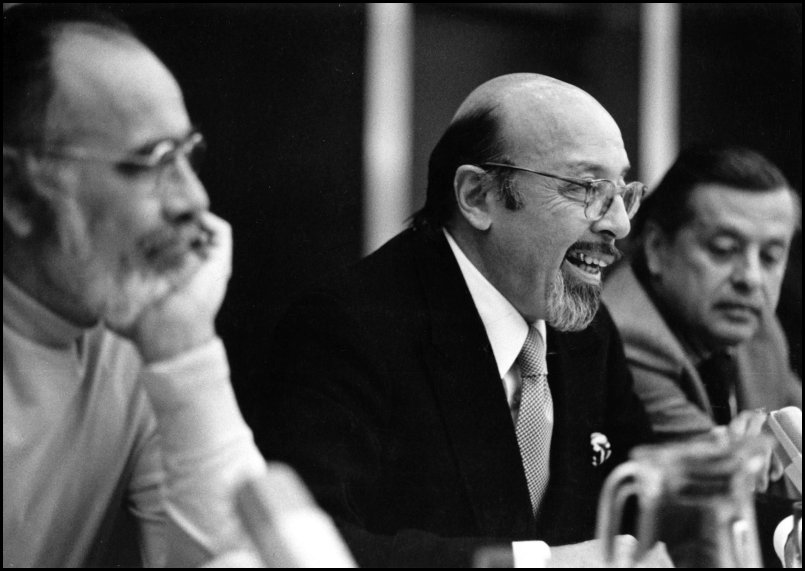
x=572, y=303
x=129, y=296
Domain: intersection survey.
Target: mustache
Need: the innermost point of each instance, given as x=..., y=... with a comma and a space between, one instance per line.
x=192, y=233
x=598, y=248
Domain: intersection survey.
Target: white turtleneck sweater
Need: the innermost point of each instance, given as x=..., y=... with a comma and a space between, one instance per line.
x=89, y=431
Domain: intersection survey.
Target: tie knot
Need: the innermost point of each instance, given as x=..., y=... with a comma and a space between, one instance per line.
x=532, y=356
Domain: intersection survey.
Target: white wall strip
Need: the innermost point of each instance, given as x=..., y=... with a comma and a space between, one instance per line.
x=659, y=89
x=388, y=122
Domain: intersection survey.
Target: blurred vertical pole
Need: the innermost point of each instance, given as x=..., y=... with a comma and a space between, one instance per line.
x=388, y=122
x=659, y=89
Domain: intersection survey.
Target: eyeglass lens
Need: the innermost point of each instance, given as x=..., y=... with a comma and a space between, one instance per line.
x=603, y=194
x=193, y=151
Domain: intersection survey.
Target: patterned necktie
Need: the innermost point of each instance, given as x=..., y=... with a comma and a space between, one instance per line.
x=535, y=420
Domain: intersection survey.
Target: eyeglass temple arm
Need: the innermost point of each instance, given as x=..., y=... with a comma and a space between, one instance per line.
x=578, y=181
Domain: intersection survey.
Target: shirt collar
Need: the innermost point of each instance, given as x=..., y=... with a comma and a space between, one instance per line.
x=505, y=327
x=34, y=321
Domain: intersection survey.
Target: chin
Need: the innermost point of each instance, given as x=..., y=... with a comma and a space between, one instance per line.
x=133, y=290
x=129, y=297
x=730, y=336
x=119, y=294
x=572, y=303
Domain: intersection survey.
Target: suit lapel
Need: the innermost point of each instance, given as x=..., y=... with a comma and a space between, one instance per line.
x=470, y=393
x=569, y=358
x=649, y=339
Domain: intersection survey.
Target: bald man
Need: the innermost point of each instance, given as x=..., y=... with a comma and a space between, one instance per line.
x=413, y=392
x=116, y=394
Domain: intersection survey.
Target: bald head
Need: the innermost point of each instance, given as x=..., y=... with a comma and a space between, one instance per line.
x=547, y=123
x=529, y=120
x=105, y=84
x=499, y=91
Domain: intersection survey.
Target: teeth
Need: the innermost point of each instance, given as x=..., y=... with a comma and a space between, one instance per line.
x=590, y=261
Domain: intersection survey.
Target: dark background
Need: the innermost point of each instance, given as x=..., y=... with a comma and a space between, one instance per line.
x=278, y=90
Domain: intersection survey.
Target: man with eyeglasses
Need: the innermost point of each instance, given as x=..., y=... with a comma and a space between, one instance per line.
x=116, y=396
x=415, y=393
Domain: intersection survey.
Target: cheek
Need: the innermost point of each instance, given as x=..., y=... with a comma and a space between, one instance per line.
x=117, y=223
x=772, y=284
x=705, y=277
x=111, y=202
x=69, y=229
x=691, y=285
x=556, y=236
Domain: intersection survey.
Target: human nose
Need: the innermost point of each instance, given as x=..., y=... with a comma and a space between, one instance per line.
x=615, y=221
x=747, y=273
x=184, y=195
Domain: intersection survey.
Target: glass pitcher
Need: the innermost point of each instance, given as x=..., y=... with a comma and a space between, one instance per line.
x=695, y=496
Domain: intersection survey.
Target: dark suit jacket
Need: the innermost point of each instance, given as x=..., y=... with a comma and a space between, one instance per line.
x=385, y=396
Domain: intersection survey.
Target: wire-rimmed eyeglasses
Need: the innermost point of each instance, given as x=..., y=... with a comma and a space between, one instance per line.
x=600, y=193
x=155, y=159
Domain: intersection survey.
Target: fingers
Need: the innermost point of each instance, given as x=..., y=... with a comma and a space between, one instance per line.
x=220, y=228
x=220, y=239
x=748, y=423
x=777, y=469
x=762, y=478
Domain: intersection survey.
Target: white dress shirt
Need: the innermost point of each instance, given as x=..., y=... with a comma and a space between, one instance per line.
x=505, y=327
x=507, y=331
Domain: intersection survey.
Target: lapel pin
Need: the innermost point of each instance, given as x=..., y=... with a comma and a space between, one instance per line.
x=602, y=449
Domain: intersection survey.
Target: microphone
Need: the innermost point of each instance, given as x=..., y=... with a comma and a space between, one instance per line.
x=786, y=425
x=286, y=525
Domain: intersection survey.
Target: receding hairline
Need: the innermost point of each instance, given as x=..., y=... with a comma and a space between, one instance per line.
x=66, y=31
x=498, y=93
x=79, y=60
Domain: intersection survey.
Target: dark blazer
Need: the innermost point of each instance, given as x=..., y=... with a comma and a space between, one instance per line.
x=385, y=396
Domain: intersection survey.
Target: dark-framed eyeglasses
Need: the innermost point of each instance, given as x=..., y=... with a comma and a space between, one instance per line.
x=156, y=158
x=599, y=193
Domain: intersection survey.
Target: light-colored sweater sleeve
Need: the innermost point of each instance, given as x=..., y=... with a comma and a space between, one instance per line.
x=145, y=493
x=207, y=450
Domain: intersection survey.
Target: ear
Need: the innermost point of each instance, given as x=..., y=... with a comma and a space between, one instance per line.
x=471, y=196
x=18, y=200
x=655, y=243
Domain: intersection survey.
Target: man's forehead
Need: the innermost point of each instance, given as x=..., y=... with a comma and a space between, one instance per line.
x=564, y=128
x=110, y=89
x=769, y=214
x=580, y=146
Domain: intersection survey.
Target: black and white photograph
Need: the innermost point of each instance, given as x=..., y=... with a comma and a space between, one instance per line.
x=402, y=285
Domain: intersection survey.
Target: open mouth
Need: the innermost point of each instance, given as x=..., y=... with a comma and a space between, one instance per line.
x=585, y=265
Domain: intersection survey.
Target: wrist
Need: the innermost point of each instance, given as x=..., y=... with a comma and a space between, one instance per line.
x=169, y=342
